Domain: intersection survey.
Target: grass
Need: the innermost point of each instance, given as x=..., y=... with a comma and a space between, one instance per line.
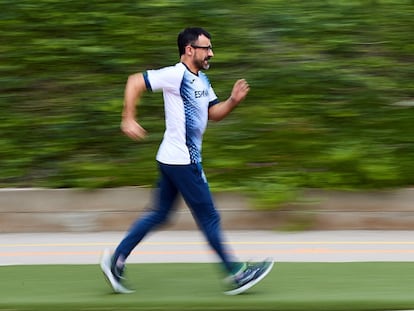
x=290, y=286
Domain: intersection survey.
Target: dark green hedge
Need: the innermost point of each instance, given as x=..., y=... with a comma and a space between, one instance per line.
x=331, y=102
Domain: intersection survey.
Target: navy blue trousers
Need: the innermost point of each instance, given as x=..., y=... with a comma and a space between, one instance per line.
x=190, y=181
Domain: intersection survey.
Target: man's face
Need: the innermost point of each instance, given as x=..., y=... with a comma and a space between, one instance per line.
x=203, y=51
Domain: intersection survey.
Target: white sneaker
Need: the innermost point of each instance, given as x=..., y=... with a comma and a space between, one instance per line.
x=113, y=280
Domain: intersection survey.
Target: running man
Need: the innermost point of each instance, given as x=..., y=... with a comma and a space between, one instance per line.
x=189, y=102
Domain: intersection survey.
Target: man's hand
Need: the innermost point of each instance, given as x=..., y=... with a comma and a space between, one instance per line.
x=132, y=129
x=240, y=90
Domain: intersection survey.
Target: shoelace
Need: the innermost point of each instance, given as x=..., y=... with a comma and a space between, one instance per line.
x=248, y=273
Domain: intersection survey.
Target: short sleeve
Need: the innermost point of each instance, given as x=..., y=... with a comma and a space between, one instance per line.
x=213, y=100
x=164, y=78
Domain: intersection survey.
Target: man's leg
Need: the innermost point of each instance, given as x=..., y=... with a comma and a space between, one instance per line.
x=194, y=188
x=164, y=199
x=192, y=184
x=113, y=265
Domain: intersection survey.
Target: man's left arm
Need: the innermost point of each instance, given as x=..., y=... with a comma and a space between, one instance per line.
x=219, y=111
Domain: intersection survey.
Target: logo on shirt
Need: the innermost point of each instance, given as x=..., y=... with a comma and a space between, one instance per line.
x=199, y=94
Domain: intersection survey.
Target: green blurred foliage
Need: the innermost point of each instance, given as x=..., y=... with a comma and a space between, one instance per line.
x=331, y=101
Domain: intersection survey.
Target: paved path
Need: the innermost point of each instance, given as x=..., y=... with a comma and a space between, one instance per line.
x=189, y=246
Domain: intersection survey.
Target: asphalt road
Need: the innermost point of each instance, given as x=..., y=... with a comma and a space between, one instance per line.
x=190, y=246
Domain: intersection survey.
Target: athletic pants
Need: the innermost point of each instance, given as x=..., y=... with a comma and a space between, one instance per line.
x=190, y=181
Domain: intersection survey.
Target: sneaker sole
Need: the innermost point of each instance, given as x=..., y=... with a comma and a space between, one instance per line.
x=106, y=269
x=245, y=287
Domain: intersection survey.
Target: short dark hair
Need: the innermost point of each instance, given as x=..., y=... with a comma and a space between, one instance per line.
x=189, y=36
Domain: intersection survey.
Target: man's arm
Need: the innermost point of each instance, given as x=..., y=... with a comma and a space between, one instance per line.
x=133, y=90
x=222, y=109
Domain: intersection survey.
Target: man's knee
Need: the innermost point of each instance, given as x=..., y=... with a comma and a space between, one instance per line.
x=210, y=220
x=156, y=218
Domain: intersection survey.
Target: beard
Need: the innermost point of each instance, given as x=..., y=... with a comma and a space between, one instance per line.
x=206, y=63
x=203, y=64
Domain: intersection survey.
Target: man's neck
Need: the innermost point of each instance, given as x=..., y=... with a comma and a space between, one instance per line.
x=189, y=66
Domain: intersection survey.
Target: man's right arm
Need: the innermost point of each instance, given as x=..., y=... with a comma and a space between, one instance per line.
x=133, y=90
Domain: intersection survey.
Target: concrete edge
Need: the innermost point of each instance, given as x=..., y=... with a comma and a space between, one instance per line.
x=114, y=209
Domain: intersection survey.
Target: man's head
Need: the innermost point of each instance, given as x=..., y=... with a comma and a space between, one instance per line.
x=195, y=48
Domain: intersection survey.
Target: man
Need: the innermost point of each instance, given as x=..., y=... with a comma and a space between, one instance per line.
x=189, y=102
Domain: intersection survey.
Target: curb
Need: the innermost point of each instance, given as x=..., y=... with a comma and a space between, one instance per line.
x=78, y=210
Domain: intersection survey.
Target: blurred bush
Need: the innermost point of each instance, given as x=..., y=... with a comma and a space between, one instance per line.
x=331, y=102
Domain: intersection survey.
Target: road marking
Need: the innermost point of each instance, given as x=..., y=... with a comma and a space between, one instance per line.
x=206, y=252
x=89, y=244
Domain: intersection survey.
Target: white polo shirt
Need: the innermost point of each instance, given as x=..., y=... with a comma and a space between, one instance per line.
x=187, y=98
